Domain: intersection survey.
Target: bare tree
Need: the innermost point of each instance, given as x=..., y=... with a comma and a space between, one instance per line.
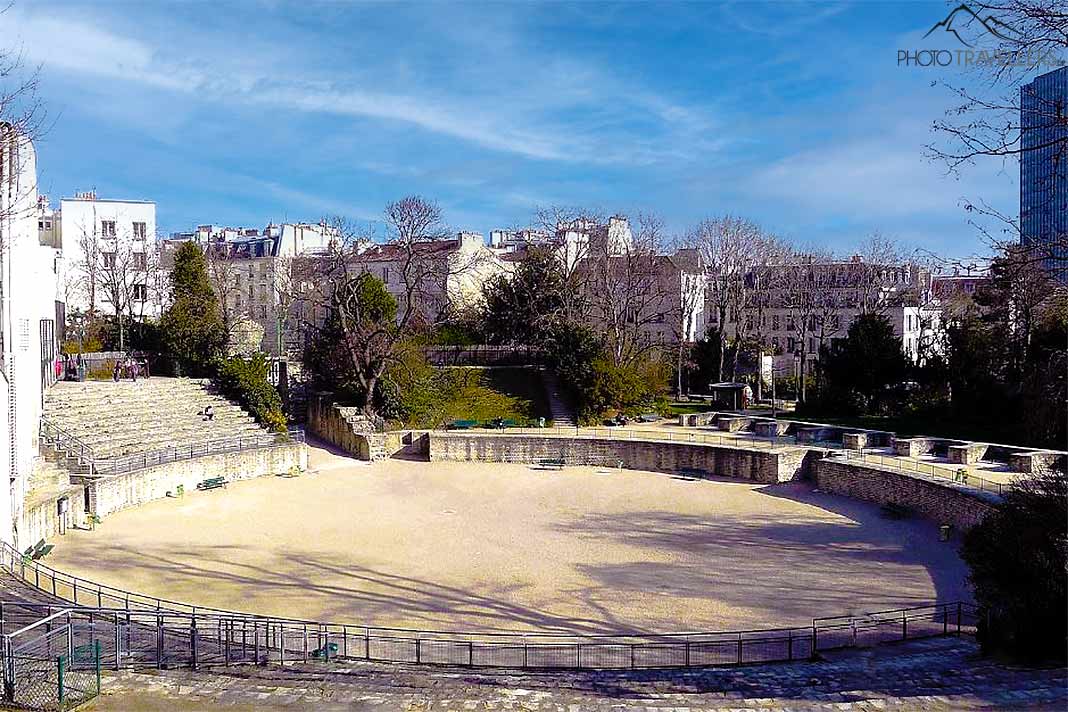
x=88, y=270
x=1004, y=119
x=333, y=288
x=223, y=272
x=798, y=295
x=626, y=289
x=728, y=245
x=122, y=269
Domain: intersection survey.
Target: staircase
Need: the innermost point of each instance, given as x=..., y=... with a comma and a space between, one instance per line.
x=115, y=420
x=562, y=415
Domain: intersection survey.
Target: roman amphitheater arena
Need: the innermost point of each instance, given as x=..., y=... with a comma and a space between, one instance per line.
x=714, y=525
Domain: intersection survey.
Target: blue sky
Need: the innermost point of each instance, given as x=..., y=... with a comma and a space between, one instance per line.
x=793, y=114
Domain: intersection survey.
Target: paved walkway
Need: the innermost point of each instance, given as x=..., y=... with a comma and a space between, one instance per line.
x=936, y=674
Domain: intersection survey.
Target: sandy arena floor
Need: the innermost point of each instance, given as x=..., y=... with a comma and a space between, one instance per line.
x=477, y=546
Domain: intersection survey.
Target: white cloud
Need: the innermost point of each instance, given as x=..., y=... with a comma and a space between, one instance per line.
x=518, y=120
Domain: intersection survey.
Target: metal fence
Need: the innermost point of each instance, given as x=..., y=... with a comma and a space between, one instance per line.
x=942, y=473
x=47, y=665
x=138, y=630
x=83, y=454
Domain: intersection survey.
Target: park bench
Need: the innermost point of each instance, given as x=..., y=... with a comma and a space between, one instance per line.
x=463, y=424
x=39, y=550
x=692, y=472
x=551, y=463
x=649, y=418
x=211, y=483
x=327, y=651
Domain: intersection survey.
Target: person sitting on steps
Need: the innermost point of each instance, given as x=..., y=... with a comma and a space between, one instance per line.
x=208, y=413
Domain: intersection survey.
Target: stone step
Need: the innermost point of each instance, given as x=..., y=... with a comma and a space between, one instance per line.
x=127, y=446
x=111, y=423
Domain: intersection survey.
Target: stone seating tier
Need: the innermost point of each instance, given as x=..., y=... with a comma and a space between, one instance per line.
x=84, y=426
x=127, y=418
x=177, y=439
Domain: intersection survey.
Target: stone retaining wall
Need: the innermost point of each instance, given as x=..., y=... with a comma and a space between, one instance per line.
x=761, y=465
x=110, y=494
x=43, y=520
x=942, y=502
x=327, y=422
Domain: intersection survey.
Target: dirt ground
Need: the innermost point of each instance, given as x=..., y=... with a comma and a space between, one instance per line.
x=453, y=546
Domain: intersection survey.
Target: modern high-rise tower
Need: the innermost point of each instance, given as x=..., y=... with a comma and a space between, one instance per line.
x=1044, y=169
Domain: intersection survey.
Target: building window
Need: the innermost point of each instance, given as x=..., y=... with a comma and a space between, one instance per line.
x=139, y=231
x=107, y=228
x=140, y=293
x=140, y=260
x=775, y=323
x=109, y=260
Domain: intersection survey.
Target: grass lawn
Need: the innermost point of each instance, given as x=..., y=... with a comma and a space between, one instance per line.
x=486, y=393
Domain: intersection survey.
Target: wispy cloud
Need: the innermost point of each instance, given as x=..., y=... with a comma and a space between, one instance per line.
x=80, y=46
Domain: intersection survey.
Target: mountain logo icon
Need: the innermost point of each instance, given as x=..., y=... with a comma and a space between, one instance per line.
x=963, y=16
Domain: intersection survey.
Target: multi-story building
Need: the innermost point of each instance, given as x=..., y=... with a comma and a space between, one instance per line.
x=29, y=314
x=572, y=239
x=443, y=275
x=1044, y=169
x=250, y=270
x=110, y=262
x=800, y=308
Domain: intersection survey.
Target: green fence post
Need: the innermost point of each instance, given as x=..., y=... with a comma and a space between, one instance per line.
x=96, y=664
x=59, y=678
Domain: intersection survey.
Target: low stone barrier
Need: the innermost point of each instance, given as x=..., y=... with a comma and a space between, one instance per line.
x=770, y=428
x=816, y=434
x=757, y=464
x=1038, y=461
x=967, y=454
x=942, y=502
x=111, y=494
x=733, y=423
x=694, y=420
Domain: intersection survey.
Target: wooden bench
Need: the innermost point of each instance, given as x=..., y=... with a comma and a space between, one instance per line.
x=463, y=424
x=551, y=463
x=212, y=483
x=39, y=550
x=649, y=418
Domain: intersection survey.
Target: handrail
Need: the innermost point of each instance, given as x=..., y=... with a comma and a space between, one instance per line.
x=952, y=475
x=744, y=441
x=16, y=564
x=132, y=462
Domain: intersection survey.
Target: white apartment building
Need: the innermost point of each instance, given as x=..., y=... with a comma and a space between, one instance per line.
x=110, y=259
x=28, y=327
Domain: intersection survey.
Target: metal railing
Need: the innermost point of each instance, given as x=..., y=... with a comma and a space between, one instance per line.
x=941, y=473
x=642, y=434
x=113, y=465
x=73, y=447
x=958, y=475
x=45, y=668
x=139, y=630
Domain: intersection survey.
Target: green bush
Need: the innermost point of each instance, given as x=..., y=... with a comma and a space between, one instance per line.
x=246, y=381
x=1017, y=557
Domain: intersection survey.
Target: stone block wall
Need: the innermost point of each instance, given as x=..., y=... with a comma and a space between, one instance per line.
x=760, y=465
x=693, y=420
x=968, y=454
x=327, y=421
x=111, y=494
x=944, y=503
x=1038, y=461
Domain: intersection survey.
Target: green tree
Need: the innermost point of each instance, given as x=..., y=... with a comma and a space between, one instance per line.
x=867, y=364
x=1019, y=570
x=358, y=341
x=191, y=328
x=246, y=381
x=524, y=307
